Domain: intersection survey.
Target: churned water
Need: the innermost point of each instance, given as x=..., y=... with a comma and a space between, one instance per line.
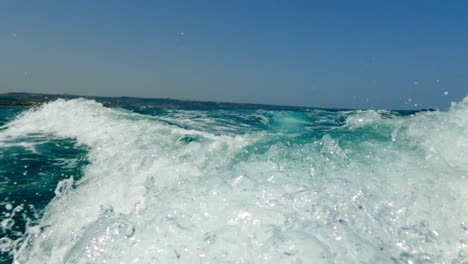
x=81, y=183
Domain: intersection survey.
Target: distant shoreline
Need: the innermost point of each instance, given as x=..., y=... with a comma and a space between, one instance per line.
x=35, y=99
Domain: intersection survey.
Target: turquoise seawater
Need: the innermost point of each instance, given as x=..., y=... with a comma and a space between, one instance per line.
x=82, y=183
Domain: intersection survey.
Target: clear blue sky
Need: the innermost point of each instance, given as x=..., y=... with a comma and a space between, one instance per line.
x=371, y=54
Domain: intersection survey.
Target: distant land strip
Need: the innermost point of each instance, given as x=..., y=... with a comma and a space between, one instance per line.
x=35, y=99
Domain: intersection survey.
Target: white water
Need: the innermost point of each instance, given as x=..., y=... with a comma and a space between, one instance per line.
x=150, y=197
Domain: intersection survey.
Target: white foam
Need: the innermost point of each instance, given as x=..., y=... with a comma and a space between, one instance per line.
x=149, y=197
x=360, y=117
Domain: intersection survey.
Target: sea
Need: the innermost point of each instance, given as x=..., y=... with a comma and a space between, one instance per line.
x=85, y=183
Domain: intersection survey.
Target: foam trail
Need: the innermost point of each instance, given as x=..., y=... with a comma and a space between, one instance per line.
x=387, y=190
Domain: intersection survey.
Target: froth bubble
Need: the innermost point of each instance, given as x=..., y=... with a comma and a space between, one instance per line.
x=8, y=223
x=5, y=244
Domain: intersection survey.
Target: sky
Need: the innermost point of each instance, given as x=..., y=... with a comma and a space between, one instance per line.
x=341, y=54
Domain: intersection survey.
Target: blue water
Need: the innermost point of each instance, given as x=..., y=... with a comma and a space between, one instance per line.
x=82, y=183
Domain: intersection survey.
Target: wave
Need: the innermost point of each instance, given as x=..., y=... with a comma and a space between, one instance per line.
x=253, y=187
